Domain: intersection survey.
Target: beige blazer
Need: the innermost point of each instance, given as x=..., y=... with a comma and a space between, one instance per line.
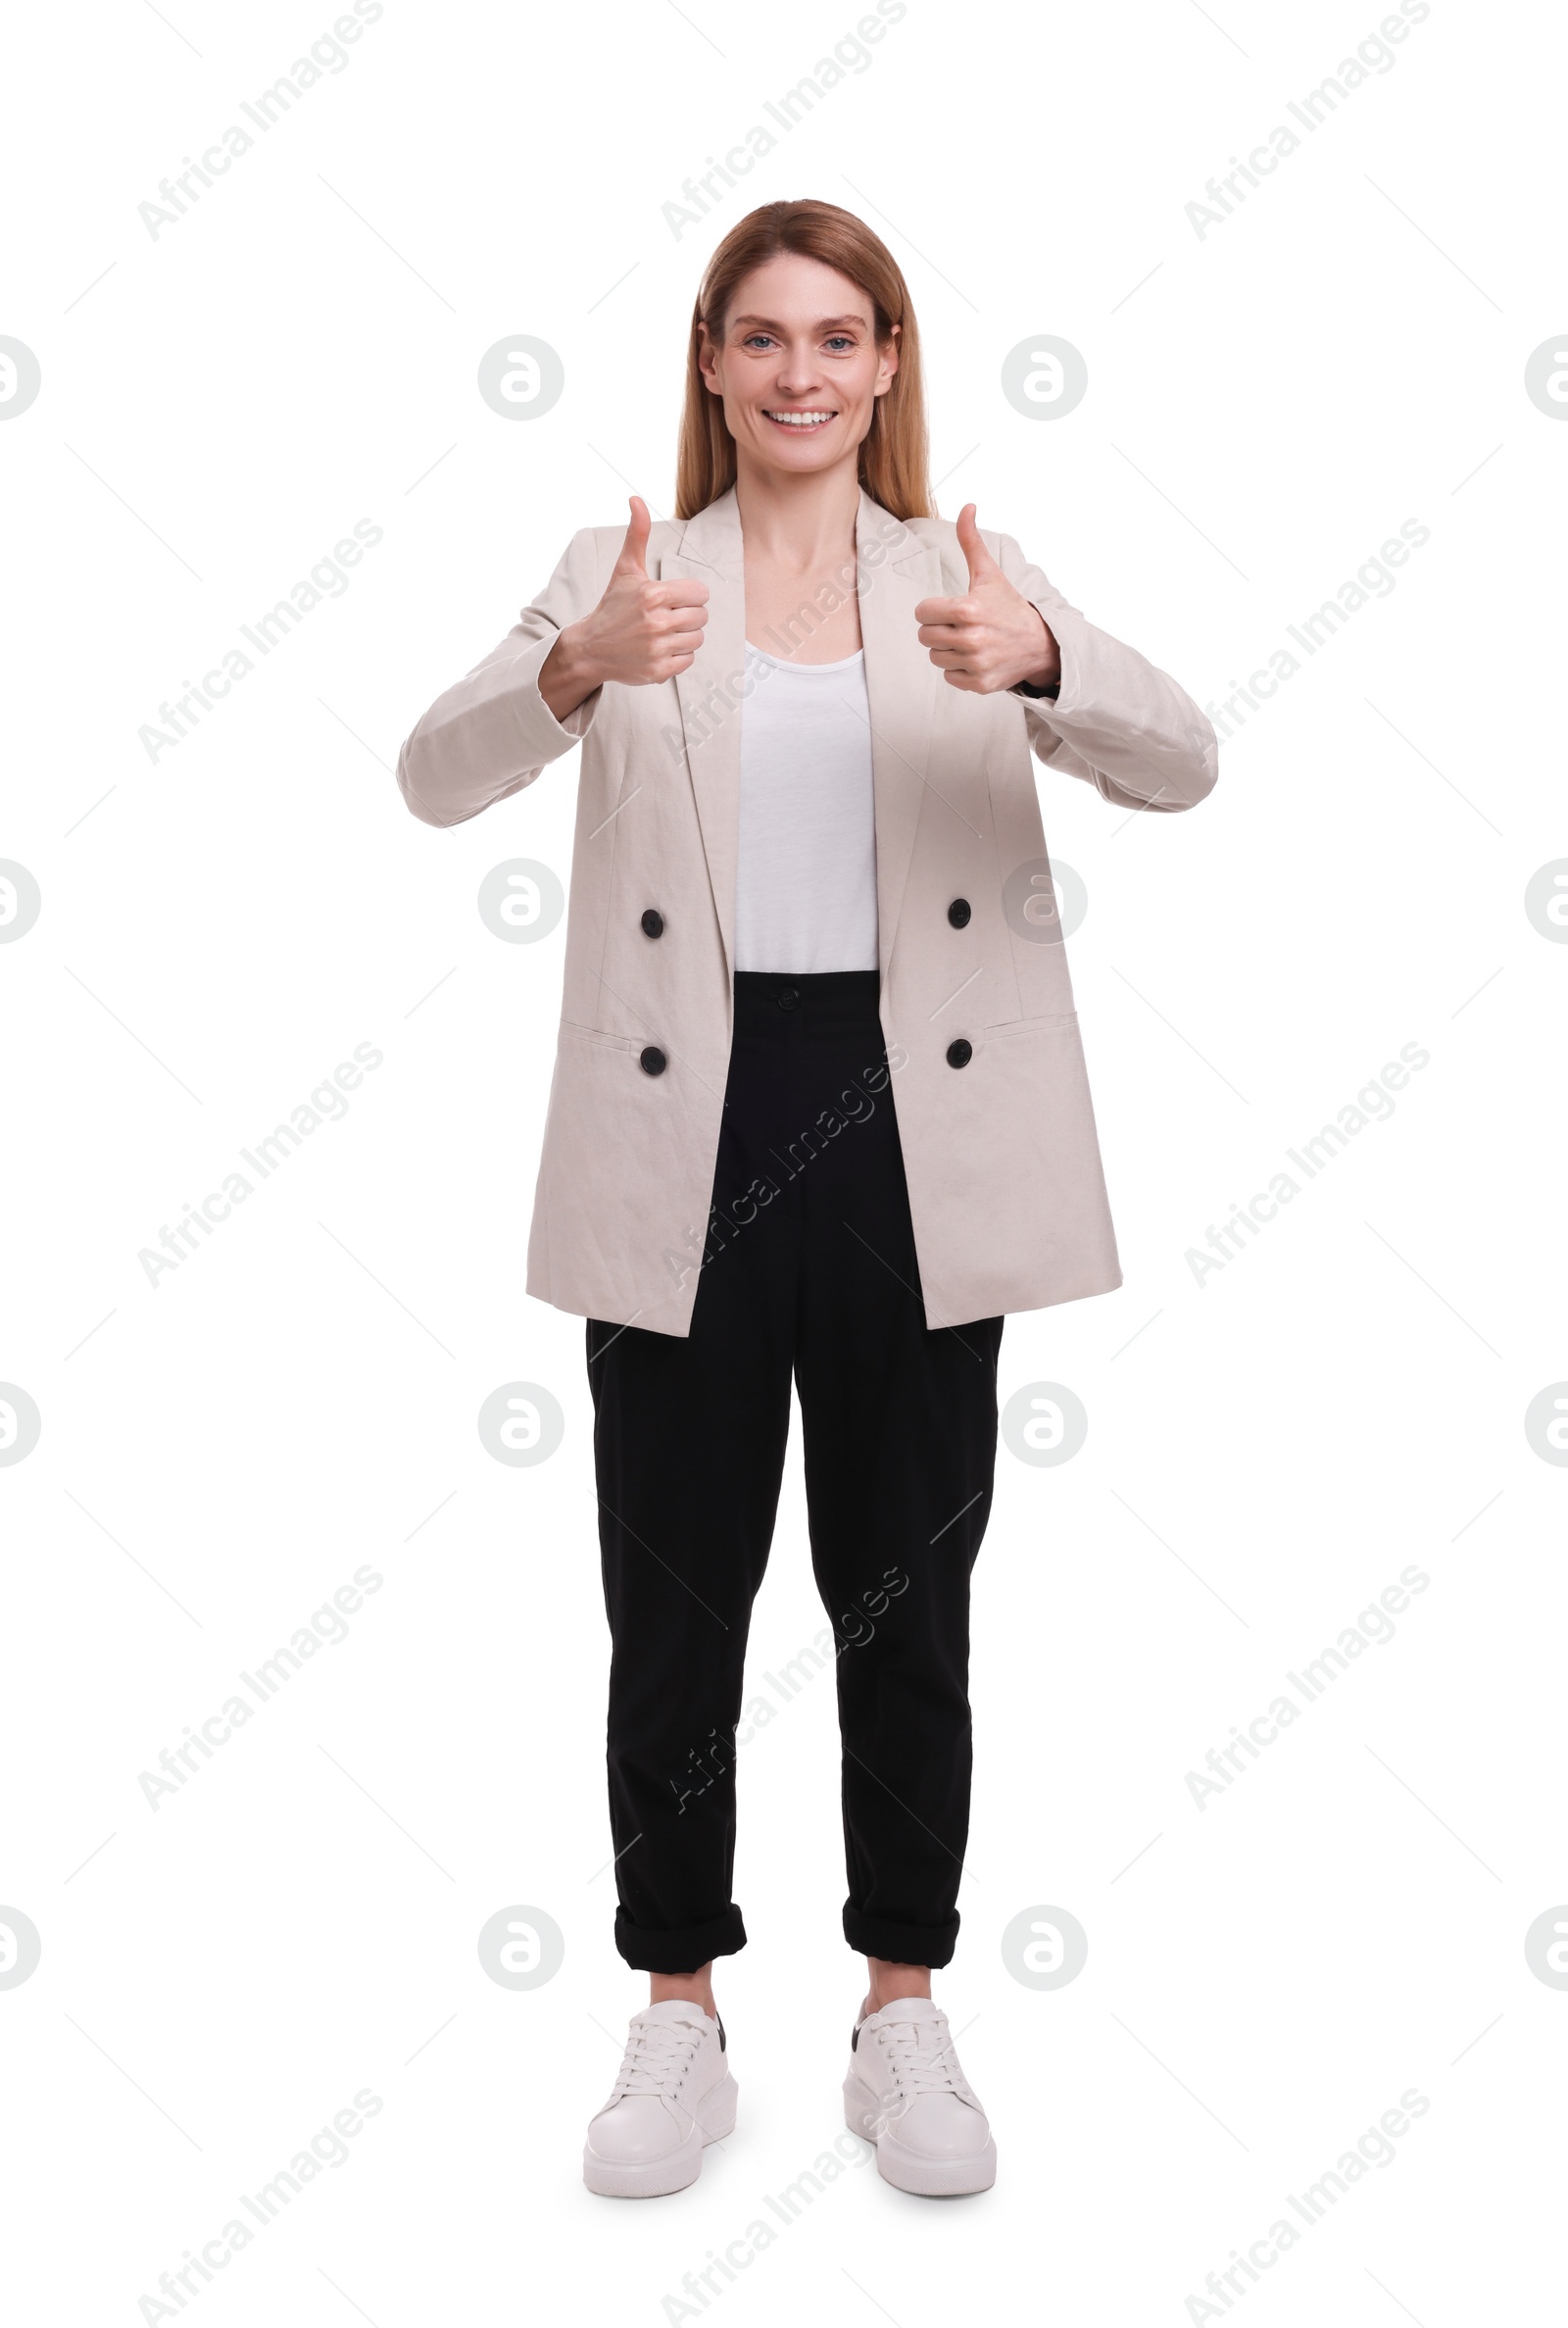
x=1002, y=1163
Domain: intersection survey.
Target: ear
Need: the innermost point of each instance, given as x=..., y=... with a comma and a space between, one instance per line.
x=889, y=363
x=708, y=359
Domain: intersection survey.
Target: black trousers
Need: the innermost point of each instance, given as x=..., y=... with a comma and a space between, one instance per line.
x=807, y=1270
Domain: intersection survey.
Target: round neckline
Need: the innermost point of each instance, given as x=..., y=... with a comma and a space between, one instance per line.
x=784, y=663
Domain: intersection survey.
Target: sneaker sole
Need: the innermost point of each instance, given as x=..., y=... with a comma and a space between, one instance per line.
x=909, y=2170
x=658, y=2178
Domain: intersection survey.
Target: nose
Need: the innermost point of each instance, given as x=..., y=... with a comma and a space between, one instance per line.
x=798, y=373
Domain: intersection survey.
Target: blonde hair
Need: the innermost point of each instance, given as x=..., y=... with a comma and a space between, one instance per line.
x=894, y=457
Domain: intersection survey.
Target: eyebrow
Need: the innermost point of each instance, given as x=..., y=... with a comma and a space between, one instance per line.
x=823, y=323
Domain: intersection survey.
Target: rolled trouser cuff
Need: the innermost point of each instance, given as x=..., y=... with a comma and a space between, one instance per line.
x=684, y=1950
x=900, y=1944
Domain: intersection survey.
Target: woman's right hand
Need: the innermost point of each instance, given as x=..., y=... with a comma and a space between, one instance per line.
x=639, y=634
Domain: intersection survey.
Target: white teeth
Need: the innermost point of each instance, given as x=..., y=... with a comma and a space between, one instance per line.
x=800, y=420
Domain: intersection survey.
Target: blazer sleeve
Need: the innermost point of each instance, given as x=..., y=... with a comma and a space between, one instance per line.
x=1117, y=722
x=491, y=734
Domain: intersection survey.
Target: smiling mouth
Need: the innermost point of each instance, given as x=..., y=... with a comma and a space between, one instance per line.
x=816, y=418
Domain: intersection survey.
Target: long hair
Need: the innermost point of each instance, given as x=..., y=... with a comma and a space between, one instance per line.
x=893, y=462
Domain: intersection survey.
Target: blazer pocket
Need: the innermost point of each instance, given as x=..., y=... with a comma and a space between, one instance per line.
x=1011, y=1028
x=599, y=1035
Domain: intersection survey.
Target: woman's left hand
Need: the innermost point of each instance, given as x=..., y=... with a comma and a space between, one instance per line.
x=991, y=638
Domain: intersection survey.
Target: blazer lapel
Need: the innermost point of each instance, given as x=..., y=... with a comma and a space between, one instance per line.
x=710, y=693
x=897, y=569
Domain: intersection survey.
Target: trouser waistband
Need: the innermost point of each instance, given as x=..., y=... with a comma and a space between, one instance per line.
x=824, y=1003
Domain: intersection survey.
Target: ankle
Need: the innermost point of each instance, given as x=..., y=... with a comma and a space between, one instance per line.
x=891, y=1982
x=686, y=1988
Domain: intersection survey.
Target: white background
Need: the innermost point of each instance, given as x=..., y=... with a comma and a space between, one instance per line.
x=1267, y=403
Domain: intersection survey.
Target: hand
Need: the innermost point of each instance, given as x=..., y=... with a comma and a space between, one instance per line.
x=640, y=633
x=991, y=637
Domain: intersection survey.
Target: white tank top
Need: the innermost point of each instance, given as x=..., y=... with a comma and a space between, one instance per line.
x=805, y=886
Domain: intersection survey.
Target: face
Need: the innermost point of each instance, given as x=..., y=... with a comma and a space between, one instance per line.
x=798, y=367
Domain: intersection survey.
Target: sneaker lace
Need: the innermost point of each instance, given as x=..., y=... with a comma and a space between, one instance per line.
x=922, y=2059
x=658, y=2055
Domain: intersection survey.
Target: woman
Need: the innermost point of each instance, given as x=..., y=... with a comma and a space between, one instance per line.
x=819, y=1110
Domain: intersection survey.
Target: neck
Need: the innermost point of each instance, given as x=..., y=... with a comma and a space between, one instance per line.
x=798, y=523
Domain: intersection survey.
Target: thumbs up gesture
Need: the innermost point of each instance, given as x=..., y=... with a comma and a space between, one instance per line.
x=639, y=634
x=991, y=637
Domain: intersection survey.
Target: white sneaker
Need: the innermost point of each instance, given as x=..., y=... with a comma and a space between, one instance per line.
x=674, y=2094
x=907, y=2093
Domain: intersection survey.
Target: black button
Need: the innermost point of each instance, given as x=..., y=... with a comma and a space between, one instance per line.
x=653, y=923
x=959, y=1053
x=653, y=1061
x=958, y=913
x=789, y=999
